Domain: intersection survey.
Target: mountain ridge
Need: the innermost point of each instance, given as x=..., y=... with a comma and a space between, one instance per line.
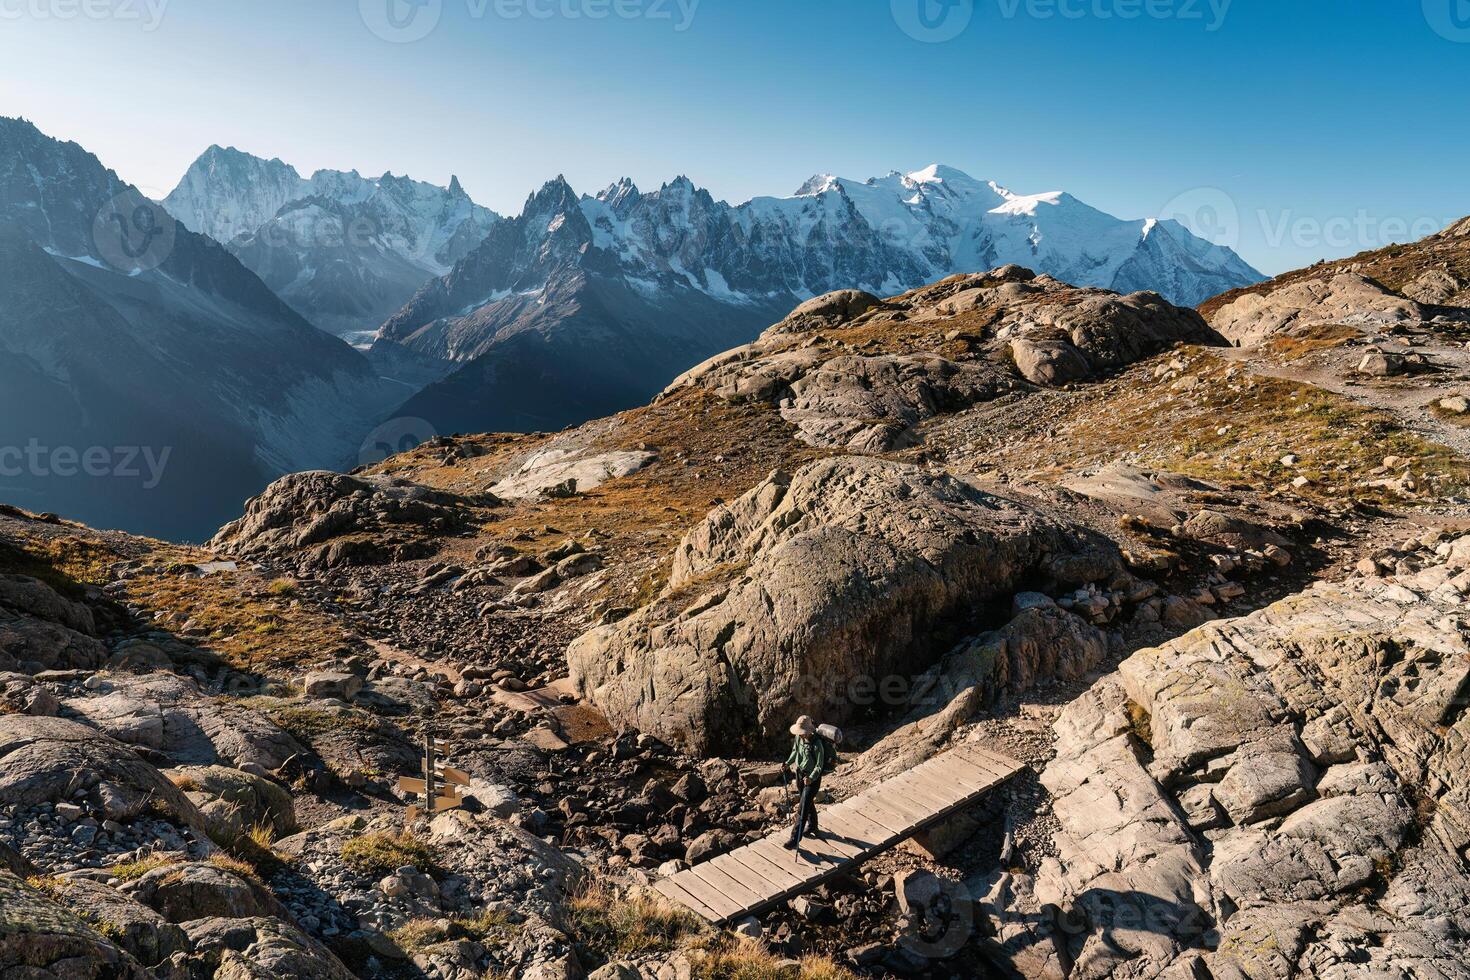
x=343, y=249
x=167, y=342
x=692, y=275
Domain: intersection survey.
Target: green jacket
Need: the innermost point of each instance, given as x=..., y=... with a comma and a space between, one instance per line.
x=810, y=760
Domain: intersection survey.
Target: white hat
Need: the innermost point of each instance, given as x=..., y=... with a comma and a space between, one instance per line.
x=804, y=726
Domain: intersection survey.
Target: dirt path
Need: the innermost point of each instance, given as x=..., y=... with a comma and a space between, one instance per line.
x=1411, y=399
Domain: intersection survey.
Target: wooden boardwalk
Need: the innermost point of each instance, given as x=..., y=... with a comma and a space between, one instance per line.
x=762, y=874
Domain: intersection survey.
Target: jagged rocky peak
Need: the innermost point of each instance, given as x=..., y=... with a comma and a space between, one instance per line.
x=346, y=262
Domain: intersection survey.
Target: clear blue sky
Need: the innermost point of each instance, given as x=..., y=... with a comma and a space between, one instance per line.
x=1301, y=128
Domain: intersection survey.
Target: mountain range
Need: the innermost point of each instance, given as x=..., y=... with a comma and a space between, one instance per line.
x=200, y=324
x=125, y=337
x=584, y=305
x=345, y=251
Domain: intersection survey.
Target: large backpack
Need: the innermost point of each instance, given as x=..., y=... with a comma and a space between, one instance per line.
x=831, y=737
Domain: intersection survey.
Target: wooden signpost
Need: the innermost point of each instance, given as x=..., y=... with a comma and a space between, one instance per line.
x=437, y=787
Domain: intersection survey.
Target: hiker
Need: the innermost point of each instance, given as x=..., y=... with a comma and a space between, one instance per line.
x=813, y=755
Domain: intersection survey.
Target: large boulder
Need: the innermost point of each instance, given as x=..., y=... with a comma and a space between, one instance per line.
x=1285, y=794
x=260, y=948
x=138, y=929
x=1343, y=297
x=185, y=892
x=32, y=645
x=32, y=597
x=40, y=939
x=851, y=571
x=170, y=714
x=54, y=760
x=234, y=803
x=1065, y=334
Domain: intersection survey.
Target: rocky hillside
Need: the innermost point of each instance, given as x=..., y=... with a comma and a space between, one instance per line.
x=1211, y=604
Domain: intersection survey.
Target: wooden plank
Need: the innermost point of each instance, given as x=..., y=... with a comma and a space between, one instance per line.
x=771, y=864
x=1005, y=763
x=915, y=786
x=731, y=888
x=896, y=823
x=912, y=812
x=779, y=875
x=853, y=824
x=998, y=764
x=455, y=776
x=777, y=854
x=945, y=791
x=762, y=883
x=979, y=775
x=713, y=898
x=671, y=891
x=827, y=851
x=408, y=784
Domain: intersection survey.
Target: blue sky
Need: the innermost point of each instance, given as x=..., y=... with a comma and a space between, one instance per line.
x=1295, y=129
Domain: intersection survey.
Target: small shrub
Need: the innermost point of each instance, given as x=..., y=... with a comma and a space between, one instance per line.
x=381, y=854
x=418, y=935
x=48, y=885
x=133, y=870
x=227, y=862
x=738, y=958
x=282, y=587
x=185, y=782
x=612, y=926
x=262, y=835
x=488, y=929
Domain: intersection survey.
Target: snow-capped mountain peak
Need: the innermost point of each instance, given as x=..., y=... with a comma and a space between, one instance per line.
x=347, y=261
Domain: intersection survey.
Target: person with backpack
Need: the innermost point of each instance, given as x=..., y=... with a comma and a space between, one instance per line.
x=813, y=755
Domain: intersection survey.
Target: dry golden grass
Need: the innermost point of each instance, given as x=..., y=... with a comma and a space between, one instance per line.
x=248, y=625
x=133, y=870
x=235, y=865
x=488, y=929
x=381, y=854
x=737, y=958
x=1314, y=338
x=1234, y=427
x=611, y=926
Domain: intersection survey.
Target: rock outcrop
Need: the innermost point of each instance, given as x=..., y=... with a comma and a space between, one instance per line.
x=1344, y=297
x=1050, y=333
x=53, y=760
x=329, y=513
x=170, y=714
x=1275, y=796
x=850, y=571
x=41, y=940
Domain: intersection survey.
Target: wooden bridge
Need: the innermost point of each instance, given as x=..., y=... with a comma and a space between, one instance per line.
x=762, y=874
